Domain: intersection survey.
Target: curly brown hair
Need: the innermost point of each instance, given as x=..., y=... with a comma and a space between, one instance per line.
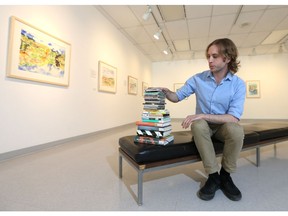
x=227, y=49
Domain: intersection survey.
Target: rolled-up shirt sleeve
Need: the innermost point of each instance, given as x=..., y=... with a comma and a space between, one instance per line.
x=186, y=90
x=236, y=107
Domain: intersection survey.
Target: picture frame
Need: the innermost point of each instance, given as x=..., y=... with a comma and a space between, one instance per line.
x=107, y=77
x=132, y=85
x=36, y=55
x=144, y=87
x=253, y=89
x=177, y=86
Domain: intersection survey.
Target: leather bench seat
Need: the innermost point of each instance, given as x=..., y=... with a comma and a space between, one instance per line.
x=183, y=144
x=269, y=130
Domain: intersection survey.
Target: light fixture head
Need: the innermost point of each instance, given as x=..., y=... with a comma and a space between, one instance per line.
x=166, y=51
x=146, y=15
x=157, y=34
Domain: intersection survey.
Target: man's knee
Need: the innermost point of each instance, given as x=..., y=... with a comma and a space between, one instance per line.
x=199, y=125
x=234, y=130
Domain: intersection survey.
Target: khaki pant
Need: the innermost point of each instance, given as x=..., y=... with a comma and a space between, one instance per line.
x=231, y=134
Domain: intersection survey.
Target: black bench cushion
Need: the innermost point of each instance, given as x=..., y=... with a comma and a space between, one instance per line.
x=269, y=130
x=181, y=146
x=184, y=145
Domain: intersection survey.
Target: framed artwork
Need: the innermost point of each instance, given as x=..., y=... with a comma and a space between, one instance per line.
x=37, y=55
x=107, y=81
x=253, y=89
x=144, y=87
x=132, y=85
x=177, y=86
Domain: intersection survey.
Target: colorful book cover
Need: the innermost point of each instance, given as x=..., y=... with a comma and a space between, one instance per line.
x=154, y=141
x=158, y=121
x=153, y=124
x=151, y=128
x=152, y=133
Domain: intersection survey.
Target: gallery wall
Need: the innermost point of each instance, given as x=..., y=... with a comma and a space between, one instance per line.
x=34, y=113
x=270, y=70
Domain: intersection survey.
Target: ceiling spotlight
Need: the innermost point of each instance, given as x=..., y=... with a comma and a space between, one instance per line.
x=146, y=15
x=157, y=34
x=166, y=51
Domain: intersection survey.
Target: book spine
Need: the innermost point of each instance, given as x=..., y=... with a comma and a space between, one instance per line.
x=152, y=124
x=156, y=121
x=155, y=118
x=151, y=128
x=150, y=140
x=155, y=134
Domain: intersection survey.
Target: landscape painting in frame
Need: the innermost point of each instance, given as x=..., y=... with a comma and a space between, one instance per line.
x=132, y=85
x=253, y=89
x=107, y=77
x=36, y=55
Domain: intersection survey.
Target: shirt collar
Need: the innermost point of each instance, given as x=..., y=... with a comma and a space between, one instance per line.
x=229, y=75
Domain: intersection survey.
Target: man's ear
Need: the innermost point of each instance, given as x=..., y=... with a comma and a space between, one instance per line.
x=226, y=59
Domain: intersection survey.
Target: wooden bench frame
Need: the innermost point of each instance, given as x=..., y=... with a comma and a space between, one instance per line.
x=142, y=168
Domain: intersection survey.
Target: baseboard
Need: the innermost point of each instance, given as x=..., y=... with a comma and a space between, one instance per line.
x=29, y=150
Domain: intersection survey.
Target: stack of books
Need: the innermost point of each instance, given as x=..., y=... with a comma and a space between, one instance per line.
x=155, y=124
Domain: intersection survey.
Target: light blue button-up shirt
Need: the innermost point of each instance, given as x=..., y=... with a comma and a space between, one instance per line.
x=211, y=98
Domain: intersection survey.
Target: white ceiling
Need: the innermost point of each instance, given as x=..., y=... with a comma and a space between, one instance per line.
x=188, y=29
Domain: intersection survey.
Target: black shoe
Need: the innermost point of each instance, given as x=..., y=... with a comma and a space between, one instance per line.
x=207, y=192
x=230, y=189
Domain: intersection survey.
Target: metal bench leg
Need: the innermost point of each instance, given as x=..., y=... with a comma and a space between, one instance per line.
x=120, y=166
x=140, y=187
x=275, y=150
x=258, y=156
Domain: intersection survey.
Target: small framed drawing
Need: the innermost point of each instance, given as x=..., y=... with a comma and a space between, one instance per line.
x=144, y=87
x=107, y=77
x=37, y=55
x=132, y=85
x=253, y=89
x=177, y=86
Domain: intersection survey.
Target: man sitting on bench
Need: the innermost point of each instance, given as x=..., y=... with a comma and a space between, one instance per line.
x=220, y=96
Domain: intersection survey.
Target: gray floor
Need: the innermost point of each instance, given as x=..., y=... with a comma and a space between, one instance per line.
x=82, y=175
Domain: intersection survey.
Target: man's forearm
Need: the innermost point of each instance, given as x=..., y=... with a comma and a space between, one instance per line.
x=171, y=96
x=218, y=119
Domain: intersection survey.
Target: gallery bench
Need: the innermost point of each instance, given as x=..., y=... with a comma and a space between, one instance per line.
x=146, y=157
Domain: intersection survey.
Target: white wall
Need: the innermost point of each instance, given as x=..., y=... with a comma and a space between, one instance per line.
x=33, y=113
x=271, y=70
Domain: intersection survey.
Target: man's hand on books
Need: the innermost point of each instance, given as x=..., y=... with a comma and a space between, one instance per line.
x=170, y=95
